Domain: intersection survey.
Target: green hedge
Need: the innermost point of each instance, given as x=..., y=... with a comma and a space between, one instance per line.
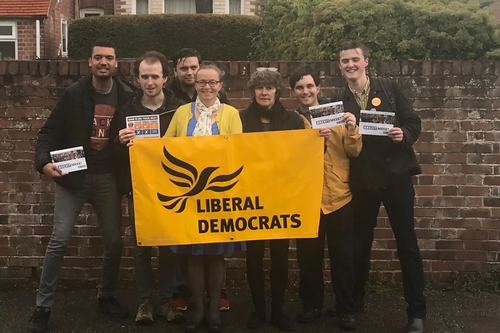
x=309, y=30
x=216, y=37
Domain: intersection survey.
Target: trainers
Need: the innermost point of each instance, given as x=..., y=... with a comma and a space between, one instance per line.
x=256, y=321
x=282, y=322
x=180, y=304
x=144, y=314
x=110, y=306
x=170, y=312
x=223, y=304
x=39, y=320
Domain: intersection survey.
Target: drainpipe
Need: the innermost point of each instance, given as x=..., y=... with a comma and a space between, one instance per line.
x=38, y=39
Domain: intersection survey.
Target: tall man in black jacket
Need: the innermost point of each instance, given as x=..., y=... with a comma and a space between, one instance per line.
x=382, y=173
x=151, y=71
x=82, y=117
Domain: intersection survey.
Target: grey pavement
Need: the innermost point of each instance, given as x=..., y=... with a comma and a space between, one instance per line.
x=75, y=311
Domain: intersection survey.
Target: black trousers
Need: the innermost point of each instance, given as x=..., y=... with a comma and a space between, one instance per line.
x=279, y=273
x=338, y=227
x=398, y=201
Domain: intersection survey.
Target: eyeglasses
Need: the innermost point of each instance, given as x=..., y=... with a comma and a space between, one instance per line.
x=271, y=69
x=203, y=83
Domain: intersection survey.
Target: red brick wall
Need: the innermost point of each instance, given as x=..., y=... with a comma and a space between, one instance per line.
x=458, y=195
x=26, y=39
x=52, y=26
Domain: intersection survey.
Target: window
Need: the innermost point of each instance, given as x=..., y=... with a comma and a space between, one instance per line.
x=235, y=6
x=64, y=38
x=8, y=41
x=142, y=6
x=89, y=12
x=189, y=6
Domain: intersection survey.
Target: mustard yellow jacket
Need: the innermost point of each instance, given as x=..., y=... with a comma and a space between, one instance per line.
x=341, y=145
x=228, y=121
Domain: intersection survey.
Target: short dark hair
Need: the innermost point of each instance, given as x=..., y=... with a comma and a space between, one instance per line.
x=101, y=42
x=152, y=57
x=300, y=72
x=185, y=53
x=356, y=45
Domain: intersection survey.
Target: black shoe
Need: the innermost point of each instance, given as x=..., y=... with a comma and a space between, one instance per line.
x=347, y=322
x=282, y=322
x=256, y=321
x=214, y=326
x=110, y=306
x=415, y=325
x=192, y=325
x=308, y=316
x=357, y=310
x=39, y=320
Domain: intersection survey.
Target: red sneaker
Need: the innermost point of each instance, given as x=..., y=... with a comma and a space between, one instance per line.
x=180, y=303
x=223, y=304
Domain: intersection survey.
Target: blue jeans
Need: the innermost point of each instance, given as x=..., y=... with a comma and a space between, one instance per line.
x=100, y=191
x=172, y=269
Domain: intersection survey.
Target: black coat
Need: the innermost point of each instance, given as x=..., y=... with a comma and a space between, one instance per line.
x=281, y=119
x=174, y=85
x=134, y=108
x=70, y=125
x=381, y=161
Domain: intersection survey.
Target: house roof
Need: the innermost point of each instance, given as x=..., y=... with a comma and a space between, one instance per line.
x=24, y=7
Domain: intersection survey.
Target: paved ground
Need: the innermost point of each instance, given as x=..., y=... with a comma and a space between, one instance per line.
x=448, y=312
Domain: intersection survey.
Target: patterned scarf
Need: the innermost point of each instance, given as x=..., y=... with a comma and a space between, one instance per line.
x=204, y=124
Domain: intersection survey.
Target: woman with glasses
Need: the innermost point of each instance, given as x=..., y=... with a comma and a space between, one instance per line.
x=206, y=116
x=266, y=113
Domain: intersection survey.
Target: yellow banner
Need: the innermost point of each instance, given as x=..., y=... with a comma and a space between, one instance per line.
x=225, y=188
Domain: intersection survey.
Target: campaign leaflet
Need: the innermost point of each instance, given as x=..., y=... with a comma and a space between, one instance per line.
x=70, y=159
x=327, y=115
x=376, y=122
x=145, y=126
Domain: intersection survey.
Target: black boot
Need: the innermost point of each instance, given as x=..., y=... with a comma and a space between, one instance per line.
x=39, y=320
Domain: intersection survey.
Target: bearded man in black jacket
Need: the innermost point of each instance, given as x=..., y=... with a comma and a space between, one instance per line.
x=82, y=117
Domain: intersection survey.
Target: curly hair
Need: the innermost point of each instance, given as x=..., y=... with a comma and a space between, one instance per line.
x=266, y=78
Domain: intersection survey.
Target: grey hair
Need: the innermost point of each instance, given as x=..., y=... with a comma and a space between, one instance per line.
x=266, y=78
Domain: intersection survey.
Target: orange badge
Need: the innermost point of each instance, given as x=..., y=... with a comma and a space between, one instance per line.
x=376, y=101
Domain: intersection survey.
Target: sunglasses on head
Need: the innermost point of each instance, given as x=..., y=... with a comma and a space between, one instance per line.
x=271, y=69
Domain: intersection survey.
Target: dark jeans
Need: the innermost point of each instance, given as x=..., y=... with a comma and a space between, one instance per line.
x=100, y=191
x=338, y=227
x=172, y=268
x=279, y=273
x=398, y=202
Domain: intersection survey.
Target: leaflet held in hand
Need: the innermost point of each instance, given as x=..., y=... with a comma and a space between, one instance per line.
x=327, y=115
x=70, y=159
x=144, y=126
x=376, y=122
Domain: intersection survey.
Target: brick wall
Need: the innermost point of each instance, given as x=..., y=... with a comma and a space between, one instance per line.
x=26, y=40
x=458, y=195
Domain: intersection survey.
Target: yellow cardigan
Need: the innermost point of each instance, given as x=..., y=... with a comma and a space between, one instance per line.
x=341, y=145
x=228, y=121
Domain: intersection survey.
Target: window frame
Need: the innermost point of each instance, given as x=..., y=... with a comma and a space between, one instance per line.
x=84, y=11
x=134, y=7
x=242, y=6
x=164, y=7
x=13, y=37
x=64, y=54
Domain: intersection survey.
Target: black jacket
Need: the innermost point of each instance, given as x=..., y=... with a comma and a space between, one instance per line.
x=70, y=125
x=134, y=107
x=174, y=85
x=381, y=161
x=281, y=119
